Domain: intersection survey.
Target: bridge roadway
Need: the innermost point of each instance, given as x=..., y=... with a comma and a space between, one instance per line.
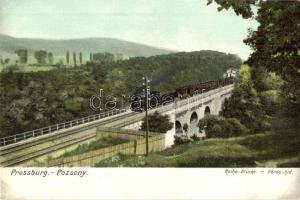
x=20, y=152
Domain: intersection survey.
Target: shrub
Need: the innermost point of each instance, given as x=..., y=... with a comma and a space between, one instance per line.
x=182, y=139
x=195, y=137
x=157, y=123
x=218, y=126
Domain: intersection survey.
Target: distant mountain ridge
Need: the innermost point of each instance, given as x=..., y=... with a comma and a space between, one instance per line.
x=58, y=47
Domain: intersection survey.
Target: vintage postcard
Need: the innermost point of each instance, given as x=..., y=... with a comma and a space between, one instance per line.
x=156, y=99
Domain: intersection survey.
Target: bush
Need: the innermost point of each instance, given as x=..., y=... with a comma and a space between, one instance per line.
x=182, y=139
x=195, y=138
x=218, y=126
x=157, y=123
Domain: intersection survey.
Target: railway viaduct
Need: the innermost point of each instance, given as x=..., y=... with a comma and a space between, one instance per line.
x=33, y=144
x=188, y=111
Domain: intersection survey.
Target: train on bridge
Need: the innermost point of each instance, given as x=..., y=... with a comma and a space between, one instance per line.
x=156, y=99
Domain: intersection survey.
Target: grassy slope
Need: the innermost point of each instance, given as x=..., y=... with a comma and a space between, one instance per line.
x=260, y=150
x=94, y=145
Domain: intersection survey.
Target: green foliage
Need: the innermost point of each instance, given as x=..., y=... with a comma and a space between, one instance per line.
x=80, y=57
x=116, y=79
x=168, y=72
x=6, y=61
x=50, y=58
x=74, y=58
x=270, y=101
x=34, y=100
x=195, y=138
x=157, y=123
x=68, y=57
x=218, y=126
x=40, y=56
x=185, y=127
x=275, y=44
x=275, y=53
x=103, y=57
x=23, y=55
x=244, y=103
x=241, y=7
x=181, y=139
x=264, y=80
x=184, y=139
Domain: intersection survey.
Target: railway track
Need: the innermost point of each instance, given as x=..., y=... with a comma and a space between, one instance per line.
x=18, y=154
x=23, y=157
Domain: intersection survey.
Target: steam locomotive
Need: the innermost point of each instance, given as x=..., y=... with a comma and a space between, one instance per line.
x=156, y=99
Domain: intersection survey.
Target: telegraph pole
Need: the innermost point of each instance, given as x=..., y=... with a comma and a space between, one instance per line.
x=147, y=92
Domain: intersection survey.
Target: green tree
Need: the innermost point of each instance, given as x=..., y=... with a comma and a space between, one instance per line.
x=80, y=57
x=280, y=54
x=40, y=56
x=91, y=57
x=244, y=103
x=275, y=44
x=74, y=58
x=6, y=61
x=50, y=58
x=218, y=126
x=103, y=57
x=23, y=55
x=116, y=79
x=68, y=57
x=157, y=123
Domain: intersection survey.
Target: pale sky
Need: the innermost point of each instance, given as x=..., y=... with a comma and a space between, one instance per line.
x=183, y=25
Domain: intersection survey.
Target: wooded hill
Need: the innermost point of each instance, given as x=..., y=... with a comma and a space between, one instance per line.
x=37, y=99
x=8, y=46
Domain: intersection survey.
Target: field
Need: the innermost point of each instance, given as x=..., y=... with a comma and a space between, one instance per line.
x=259, y=150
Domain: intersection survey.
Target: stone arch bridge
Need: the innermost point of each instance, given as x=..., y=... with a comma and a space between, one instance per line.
x=188, y=111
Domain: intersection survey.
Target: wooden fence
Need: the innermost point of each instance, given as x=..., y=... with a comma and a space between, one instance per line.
x=137, y=145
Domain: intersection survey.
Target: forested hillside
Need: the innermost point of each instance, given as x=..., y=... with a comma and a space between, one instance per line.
x=166, y=71
x=37, y=99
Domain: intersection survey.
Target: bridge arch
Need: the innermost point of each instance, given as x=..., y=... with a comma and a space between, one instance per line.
x=207, y=110
x=194, y=117
x=194, y=124
x=178, y=127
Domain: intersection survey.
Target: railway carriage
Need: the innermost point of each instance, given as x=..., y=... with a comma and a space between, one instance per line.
x=138, y=104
